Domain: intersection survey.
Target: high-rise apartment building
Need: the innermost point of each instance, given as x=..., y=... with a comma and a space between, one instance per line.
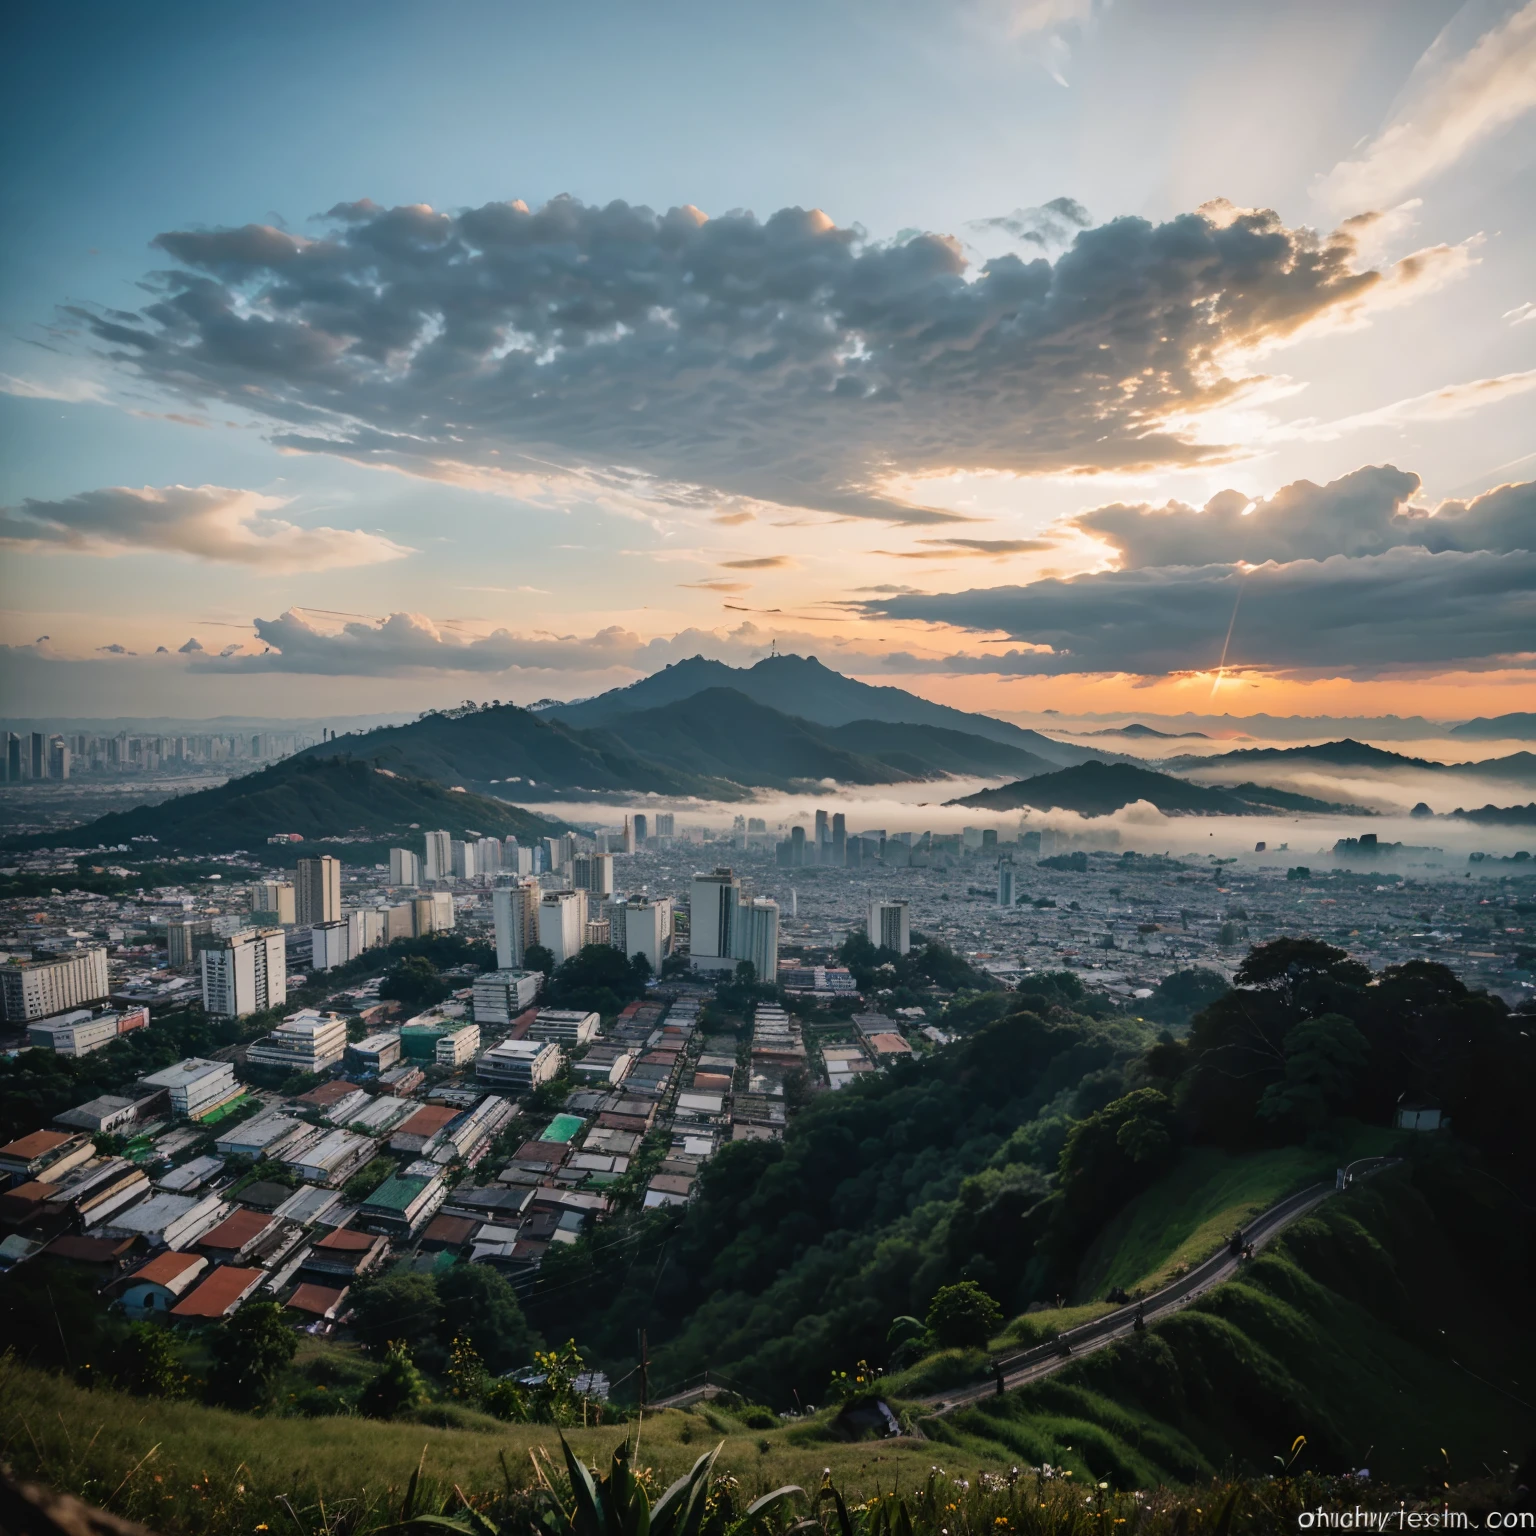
x=500, y=995
x=404, y=867
x=37, y=753
x=641, y=925
x=272, y=901
x=889, y=926
x=181, y=941
x=642, y=830
x=839, y=839
x=432, y=913
x=593, y=873
x=562, y=919
x=823, y=830
x=488, y=856
x=757, y=937
x=38, y=989
x=247, y=973
x=58, y=758
x=13, y=758
x=515, y=914
x=712, y=916
x=461, y=858
x=666, y=823
x=438, y=863
x=317, y=890
x=1005, y=890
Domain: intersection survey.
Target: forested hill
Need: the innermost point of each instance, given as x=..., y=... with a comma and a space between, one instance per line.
x=1001, y=1159
x=314, y=796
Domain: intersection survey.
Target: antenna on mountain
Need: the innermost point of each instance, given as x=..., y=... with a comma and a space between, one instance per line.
x=773, y=647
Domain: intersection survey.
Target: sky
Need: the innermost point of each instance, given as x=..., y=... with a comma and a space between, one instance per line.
x=1030, y=354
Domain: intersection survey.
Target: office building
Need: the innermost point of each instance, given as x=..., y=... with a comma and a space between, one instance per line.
x=1005, y=890
x=488, y=856
x=58, y=758
x=309, y=1041
x=569, y=1027
x=666, y=824
x=433, y=913
x=13, y=770
x=37, y=754
x=712, y=916
x=247, y=973
x=76, y=1033
x=500, y=996
x=641, y=925
x=184, y=937
x=375, y=1053
x=520, y=1065
x=404, y=867
x=562, y=917
x=317, y=890
x=642, y=831
x=839, y=839
x=272, y=902
x=456, y=1045
x=823, y=830
x=515, y=916
x=757, y=937
x=462, y=859
x=797, y=853
x=330, y=945
x=196, y=1087
x=40, y=989
x=593, y=873
x=438, y=862
x=889, y=927
x=515, y=859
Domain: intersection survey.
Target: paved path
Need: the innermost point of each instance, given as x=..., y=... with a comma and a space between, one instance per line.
x=1045, y=1359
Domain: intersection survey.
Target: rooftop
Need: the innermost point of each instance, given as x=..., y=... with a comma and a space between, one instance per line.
x=219, y=1293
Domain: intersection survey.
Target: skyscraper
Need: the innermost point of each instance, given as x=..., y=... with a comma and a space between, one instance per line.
x=593, y=873
x=562, y=921
x=404, y=867
x=888, y=926
x=439, y=858
x=665, y=823
x=245, y=974
x=839, y=839
x=1005, y=892
x=712, y=916
x=757, y=936
x=13, y=755
x=461, y=858
x=823, y=833
x=37, y=749
x=317, y=890
x=797, y=846
x=515, y=913
x=641, y=829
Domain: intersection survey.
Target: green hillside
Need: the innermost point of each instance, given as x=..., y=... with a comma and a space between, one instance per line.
x=314, y=796
x=1372, y=1327
x=513, y=751
x=724, y=733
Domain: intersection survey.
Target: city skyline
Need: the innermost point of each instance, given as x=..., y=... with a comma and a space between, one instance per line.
x=1071, y=356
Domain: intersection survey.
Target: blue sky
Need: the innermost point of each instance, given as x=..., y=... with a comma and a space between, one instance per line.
x=896, y=120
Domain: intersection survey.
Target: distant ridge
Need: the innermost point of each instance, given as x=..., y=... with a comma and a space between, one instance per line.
x=1138, y=731
x=1514, y=727
x=1518, y=767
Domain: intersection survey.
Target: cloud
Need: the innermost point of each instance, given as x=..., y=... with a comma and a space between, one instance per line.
x=1366, y=512
x=1462, y=92
x=208, y=521
x=1366, y=617
x=191, y=648
x=1444, y=404
x=718, y=586
x=115, y=650
x=672, y=361
x=71, y=391
x=1047, y=227
x=1520, y=314
x=758, y=563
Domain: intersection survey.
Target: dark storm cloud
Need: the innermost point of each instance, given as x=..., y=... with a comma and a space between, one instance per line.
x=1365, y=616
x=786, y=360
x=1364, y=513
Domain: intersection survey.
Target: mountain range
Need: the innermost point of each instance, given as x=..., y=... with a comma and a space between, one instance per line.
x=1100, y=789
x=316, y=797
x=691, y=735
x=1517, y=768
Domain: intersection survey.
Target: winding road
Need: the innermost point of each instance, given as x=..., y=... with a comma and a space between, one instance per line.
x=1044, y=1359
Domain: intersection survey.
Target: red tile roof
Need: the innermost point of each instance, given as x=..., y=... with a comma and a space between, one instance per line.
x=167, y=1268
x=237, y=1231
x=318, y=1299
x=34, y=1145
x=328, y=1093
x=427, y=1121
x=220, y=1293
x=345, y=1240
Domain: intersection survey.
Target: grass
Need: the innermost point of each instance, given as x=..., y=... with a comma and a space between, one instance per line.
x=182, y=1467
x=1188, y=1215
x=1367, y=1328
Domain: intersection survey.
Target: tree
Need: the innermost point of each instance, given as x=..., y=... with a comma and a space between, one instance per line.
x=415, y=982
x=396, y=1307
x=480, y=1307
x=397, y=1387
x=1323, y=1059
x=466, y=1373
x=963, y=1316
x=249, y=1352
x=537, y=958
x=147, y=1363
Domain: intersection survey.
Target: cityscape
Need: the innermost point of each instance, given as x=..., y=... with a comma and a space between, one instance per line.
x=768, y=770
